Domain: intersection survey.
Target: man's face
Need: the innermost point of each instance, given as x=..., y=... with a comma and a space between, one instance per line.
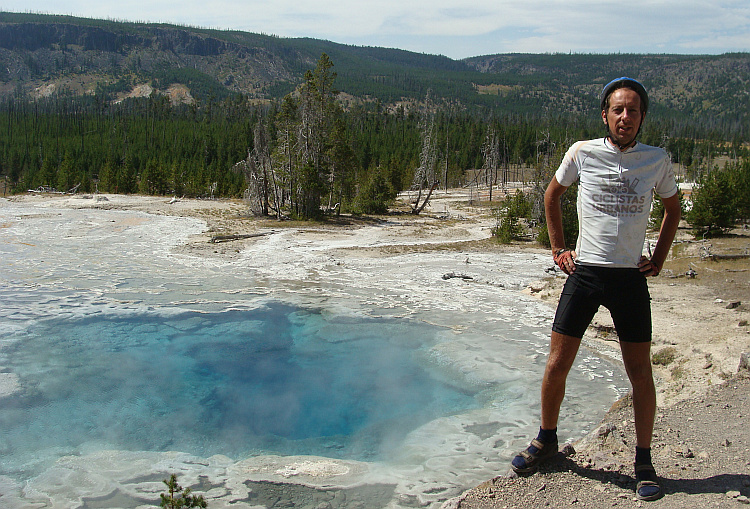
x=624, y=116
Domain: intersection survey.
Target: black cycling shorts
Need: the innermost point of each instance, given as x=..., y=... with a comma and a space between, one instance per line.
x=624, y=292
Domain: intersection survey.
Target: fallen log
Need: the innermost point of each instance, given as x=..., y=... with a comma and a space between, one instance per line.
x=451, y=275
x=228, y=238
x=717, y=257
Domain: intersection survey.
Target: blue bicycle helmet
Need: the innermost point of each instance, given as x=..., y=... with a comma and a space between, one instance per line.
x=625, y=83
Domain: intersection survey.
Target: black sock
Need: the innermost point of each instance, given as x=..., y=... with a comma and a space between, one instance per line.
x=547, y=436
x=642, y=455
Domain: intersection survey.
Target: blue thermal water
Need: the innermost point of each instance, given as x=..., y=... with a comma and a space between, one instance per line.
x=277, y=379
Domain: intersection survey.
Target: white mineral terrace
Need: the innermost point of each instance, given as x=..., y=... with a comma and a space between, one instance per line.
x=71, y=257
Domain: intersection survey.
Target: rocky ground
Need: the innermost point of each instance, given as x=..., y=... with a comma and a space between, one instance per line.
x=701, y=445
x=701, y=450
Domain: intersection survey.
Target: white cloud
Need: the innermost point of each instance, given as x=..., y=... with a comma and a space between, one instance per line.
x=451, y=27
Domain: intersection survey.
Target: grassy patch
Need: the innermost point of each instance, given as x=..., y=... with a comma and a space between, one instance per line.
x=664, y=357
x=679, y=372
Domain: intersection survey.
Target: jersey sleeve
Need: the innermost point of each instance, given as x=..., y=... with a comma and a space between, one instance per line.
x=666, y=185
x=569, y=170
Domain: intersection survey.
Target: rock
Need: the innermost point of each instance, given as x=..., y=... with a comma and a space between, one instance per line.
x=734, y=304
x=453, y=503
x=606, y=429
x=733, y=494
x=743, y=499
x=744, y=362
x=451, y=275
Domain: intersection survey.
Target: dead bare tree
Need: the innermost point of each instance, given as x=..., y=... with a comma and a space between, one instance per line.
x=271, y=183
x=425, y=177
x=546, y=149
x=491, y=153
x=262, y=192
x=252, y=192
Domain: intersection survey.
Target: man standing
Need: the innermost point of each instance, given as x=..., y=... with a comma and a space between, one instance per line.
x=617, y=179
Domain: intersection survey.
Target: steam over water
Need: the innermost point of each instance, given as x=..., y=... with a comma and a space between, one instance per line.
x=121, y=354
x=277, y=379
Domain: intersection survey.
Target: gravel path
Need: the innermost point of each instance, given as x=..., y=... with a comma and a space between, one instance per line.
x=701, y=450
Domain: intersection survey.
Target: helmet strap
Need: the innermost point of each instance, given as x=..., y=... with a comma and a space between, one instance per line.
x=612, y=140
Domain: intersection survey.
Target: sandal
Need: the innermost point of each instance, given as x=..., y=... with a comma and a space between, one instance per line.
x=648, y=487
x=529, y=460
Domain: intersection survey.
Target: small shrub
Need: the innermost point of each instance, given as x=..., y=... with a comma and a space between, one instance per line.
x=375, y=195
x=507, y=230
x=714, y=209
x=664, y=357
x=679, y=372
x=569, y=220
x=508, y=216
x=518, y=205
x=657, y=212
x=179, y=497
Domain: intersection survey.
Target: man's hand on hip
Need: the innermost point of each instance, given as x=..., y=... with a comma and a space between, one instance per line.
x=648, y=267
x=565, y=259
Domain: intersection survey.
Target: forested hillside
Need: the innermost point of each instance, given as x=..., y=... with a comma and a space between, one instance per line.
x=300, y=126
x=41, y=54
x=707, y=91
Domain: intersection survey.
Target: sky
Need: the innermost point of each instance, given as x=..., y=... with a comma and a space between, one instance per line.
x=450, y=27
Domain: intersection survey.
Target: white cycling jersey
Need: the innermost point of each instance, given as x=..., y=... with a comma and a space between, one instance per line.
x=615, y=192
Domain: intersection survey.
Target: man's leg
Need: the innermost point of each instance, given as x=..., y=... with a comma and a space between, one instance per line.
x=562, y=353
x=637, y=360
x=563, y=350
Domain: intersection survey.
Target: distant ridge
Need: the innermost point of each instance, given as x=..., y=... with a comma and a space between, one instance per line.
x=46, y=54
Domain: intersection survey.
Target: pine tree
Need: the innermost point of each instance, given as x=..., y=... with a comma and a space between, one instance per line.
x=177, y=497
x=316, y=106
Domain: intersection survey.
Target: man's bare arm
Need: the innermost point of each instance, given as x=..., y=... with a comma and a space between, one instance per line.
x=666, y=235
x=553, y=213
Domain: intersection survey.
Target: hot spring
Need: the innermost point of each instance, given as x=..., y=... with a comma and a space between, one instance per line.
x=275, y=380
x=125, y=357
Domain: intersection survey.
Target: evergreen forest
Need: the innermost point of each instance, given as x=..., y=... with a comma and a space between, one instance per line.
x=303, y=152
x=301, y=127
